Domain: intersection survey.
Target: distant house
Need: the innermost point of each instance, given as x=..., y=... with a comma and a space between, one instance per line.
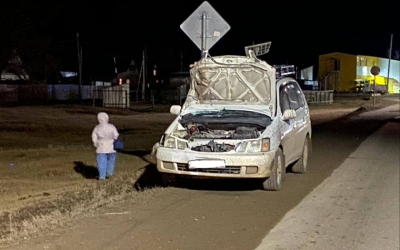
x=306, y=78
x=352, y=73
x=68, y=77
x=307, y=73
x=180, y=80
x=14, y=69
x=130, y=76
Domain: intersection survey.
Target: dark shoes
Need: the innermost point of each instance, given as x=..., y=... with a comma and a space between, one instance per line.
x=107, y=178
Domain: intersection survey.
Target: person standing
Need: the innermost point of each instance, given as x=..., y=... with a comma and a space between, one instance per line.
x=103, y=136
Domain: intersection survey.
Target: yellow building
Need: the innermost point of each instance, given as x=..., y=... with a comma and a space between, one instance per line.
x=352, y=73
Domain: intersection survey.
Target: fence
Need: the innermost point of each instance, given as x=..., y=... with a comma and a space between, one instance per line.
x=114, y=97
x=319, y=97
x=159, y=96
x=23, y=94
x=108, y=96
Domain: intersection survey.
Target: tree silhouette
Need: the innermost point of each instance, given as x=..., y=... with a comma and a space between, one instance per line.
x=396, y=55
x=29, y=26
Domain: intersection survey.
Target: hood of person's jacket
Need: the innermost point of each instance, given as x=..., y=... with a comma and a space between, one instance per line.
x=102, y=117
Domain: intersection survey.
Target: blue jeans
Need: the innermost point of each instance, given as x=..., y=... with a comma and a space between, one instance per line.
x=106, y=164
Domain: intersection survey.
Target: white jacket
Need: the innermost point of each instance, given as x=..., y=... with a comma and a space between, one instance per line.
x=104, y=134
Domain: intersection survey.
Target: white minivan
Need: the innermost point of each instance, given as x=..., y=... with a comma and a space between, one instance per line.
x=241, y=119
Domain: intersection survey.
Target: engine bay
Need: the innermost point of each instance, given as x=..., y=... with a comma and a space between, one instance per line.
x=209, y=140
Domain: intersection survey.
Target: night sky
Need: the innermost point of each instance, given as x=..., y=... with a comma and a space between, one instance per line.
x=299, y=30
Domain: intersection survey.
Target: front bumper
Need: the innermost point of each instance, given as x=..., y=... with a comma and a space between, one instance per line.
x=237, y=165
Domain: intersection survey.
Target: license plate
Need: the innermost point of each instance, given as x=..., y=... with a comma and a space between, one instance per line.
x=206, y=164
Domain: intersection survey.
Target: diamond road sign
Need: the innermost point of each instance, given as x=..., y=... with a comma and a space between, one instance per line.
x=205, y=26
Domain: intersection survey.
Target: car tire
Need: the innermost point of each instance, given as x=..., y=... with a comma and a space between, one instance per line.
x=300, y=166
x=274, y=181
x=169, y=180
x=283, y=167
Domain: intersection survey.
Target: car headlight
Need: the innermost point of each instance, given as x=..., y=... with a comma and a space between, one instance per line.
x=169, y=142
x=181, y=144
x=253, y=146
x=172, y=142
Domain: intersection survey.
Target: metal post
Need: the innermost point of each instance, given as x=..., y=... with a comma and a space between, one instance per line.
x=203, y=35
x=116, y=70
x=126, y=99
x=94, y=97
x=79, y=66
x=374, y=88
x=152, y=100
x=144, y=75
x=181, y=62
x=390, y=56
x=80, y=78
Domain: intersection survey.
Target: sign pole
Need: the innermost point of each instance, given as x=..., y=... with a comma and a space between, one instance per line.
x=390, y=57
x=374, y=88
x=203, y=35
x=375, y=70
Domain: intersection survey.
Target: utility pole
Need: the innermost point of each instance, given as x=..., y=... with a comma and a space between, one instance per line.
x=116, y=70
x=390, y=56
x=144, y=74
x=79, y=67
x=181, y=62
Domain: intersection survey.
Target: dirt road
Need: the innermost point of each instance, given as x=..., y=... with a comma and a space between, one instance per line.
x=356, y=208
x=209, y=214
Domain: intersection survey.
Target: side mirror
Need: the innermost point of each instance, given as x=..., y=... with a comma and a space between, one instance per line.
x=175, y=109
x=289, y=114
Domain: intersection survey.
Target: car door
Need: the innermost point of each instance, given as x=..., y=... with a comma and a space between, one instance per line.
x=298, y=103
x=287, y=127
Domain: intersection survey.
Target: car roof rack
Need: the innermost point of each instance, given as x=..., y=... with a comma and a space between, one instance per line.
x=257, y=49
x=284, y=70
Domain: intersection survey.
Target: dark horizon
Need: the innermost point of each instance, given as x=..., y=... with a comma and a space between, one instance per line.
x=300, y=31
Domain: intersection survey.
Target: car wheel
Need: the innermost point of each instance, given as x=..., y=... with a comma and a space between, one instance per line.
x=170, y=180
x=301, y=164
x=274, y=182
x=283, y=167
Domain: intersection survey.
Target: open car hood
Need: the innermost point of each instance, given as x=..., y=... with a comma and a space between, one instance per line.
x=232, y=80
x=226, y=119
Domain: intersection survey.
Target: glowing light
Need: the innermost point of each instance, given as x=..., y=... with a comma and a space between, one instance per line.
x=365, y=70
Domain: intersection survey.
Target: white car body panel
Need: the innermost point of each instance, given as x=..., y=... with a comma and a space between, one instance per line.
x=233, y=103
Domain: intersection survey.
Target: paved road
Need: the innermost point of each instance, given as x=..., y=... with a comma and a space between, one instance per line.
x=355, y=208
x=390, y=112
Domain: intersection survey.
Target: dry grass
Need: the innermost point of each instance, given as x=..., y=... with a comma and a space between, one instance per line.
x=41, y=174
x=46, y=215
x=48, y=166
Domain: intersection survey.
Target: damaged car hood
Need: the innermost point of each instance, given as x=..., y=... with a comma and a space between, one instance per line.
x=232, y=80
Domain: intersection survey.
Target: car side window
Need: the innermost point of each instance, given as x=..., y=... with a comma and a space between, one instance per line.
x=300, y=98
x=293, y=102
x=283, y=99
x=290, y=96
